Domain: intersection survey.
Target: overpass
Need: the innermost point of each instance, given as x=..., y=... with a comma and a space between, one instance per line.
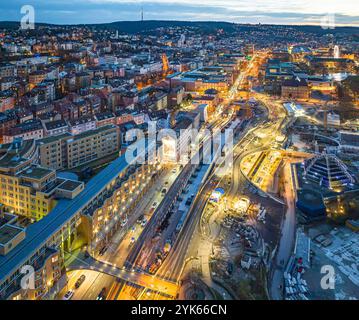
x=137, y=277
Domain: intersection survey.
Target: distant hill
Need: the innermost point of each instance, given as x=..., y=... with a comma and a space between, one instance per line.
x=140, y=26
x=203, y=26
x=143, y=26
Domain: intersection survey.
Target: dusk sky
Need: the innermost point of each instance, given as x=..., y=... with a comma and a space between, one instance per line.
x=241, y=11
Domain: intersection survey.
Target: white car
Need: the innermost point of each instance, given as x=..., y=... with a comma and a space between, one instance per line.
x=68, y=295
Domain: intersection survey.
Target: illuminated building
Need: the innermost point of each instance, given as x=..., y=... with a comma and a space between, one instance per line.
x=201, y=80
x=295, y=88
x=276, y=72
x=328, y=171
x=217, y=195
x=36, y=77
x=69, y=151
x=169, y=149
x=26, y=189
x=336, y=52
x=323, y=184
x=176, y=143
x=330, y=64
x=294, y=109
x=92, y=216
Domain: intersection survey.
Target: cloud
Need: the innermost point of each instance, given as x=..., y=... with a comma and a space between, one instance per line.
x=245, y=11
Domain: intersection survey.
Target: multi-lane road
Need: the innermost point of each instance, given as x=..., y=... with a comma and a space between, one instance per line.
x=129, y=245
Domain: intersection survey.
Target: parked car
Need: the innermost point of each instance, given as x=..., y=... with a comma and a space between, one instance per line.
x=68, y=295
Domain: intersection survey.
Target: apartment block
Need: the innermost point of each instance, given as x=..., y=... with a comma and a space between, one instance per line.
x=69, y=151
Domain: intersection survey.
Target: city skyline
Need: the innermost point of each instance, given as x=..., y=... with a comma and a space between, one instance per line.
x=265, y=12
x=153, y=160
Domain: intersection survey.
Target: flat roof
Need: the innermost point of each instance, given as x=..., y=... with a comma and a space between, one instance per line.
x=40, y=232
x=54, y=138
x=94, y=131
x=8, y=232
x=36, y=173
x=10, y=160
x=70, y=185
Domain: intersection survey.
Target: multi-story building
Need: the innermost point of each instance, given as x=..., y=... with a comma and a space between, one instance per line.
x=47, y=268
x=7, y=70
x=26, y=189
x=37, y=77
x=7, y=100
x=83, y=80
x=176, y=143
x=105, y=118
x=295, y=88
x=82, y=125
x=90, y=218
x=56, y=128
x=69, y=151
x=28, y=130
x=200, y=80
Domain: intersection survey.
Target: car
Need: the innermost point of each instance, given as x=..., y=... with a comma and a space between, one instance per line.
x=102, y=294
x=174, y=170
x=80, y=281
x=133, y=229
x=166, y=183
x=124, y=222
x=144, y=222
x=133, y=240
x=154, y=205
x=103, y=251
x=68, y=295
x=164, y=191
x=140, y=219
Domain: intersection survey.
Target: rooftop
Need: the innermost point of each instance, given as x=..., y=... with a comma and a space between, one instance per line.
x=40, y=232
x=70, y=185
x=8, y=232
x=36, y=173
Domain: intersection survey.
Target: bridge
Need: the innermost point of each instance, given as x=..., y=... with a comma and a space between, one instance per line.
x=136, y=277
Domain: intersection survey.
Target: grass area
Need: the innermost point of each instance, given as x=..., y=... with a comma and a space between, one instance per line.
x=254, y=287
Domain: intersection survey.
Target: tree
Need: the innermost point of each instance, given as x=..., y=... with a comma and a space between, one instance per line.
x=351, y=88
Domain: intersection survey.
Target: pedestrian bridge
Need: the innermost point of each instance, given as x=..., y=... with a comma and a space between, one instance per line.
x=139, y=278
